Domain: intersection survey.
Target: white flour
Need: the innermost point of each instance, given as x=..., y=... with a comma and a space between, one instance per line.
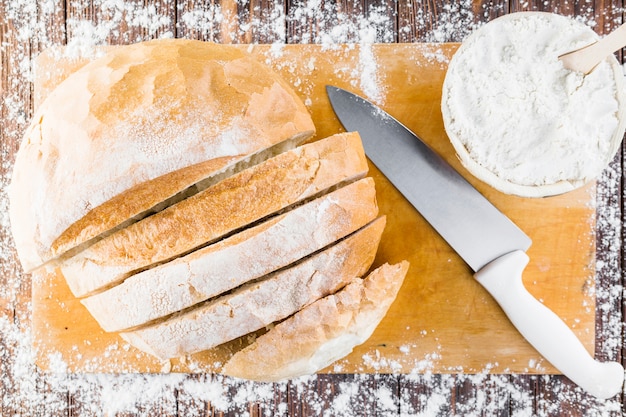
x=33, y=393
x=520, y=114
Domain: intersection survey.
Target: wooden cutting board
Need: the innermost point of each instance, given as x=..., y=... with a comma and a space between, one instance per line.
x=442, y=321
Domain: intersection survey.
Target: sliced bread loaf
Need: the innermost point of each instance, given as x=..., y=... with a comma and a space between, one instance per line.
x=256, y=305
x=244, y=198
x=302, y=345
x=248, y=255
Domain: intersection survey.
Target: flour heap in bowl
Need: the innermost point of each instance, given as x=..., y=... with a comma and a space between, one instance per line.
x=170, y=184
x=518, y=119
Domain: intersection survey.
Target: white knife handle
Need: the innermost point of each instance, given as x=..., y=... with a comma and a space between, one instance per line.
x=545, y=331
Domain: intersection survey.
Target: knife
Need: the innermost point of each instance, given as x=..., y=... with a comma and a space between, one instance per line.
x=488, y=241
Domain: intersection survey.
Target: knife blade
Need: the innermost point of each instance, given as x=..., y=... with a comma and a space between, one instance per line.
x=486, y=239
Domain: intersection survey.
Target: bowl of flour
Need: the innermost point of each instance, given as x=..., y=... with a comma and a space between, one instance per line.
x=519, y=120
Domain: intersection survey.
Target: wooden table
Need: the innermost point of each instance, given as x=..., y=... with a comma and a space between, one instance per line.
x=26, y=28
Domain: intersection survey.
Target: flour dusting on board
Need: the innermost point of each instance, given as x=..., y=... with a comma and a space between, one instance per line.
x=34, y=393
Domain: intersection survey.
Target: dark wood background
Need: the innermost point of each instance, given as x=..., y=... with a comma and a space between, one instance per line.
x=26, y=27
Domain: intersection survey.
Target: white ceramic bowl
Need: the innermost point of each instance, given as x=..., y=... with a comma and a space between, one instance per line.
x=521, y=122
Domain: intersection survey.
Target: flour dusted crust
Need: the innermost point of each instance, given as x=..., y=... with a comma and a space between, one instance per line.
x=463, y=141
x=300, y=346
x=237, y=201
x=248, y=255
x=259, y=304
x=135, y=127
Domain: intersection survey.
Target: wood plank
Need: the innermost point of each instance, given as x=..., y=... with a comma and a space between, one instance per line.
x=190, y=398
x=610, y=262
x=604, y=15
x=230, y=21
x=116, y=23
x=444, y=21
x=267, y=20
x=341, y=21
x=201, y=21
x=51, y=16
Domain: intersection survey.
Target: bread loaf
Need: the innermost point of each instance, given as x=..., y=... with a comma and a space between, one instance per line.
x=169, y=183
x=136, y=127
x=259, y=304
x=250, y=254
x=300, y=346
x=235, y=202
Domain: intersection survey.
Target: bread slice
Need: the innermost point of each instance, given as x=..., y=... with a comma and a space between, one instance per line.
x=235, y=202
x=321, y=333
x=248, y=255
x=136, y=127
x=259, y=304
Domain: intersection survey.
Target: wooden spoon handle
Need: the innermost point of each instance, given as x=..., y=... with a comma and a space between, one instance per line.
x=585, y=59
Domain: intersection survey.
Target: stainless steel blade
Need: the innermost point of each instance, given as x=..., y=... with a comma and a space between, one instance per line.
x=474, y=228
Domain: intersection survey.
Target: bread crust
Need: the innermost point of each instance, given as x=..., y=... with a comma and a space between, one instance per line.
x=321, y=333
x=248, y=255
x=259, y=304
x=233, y=203
x=134, y=127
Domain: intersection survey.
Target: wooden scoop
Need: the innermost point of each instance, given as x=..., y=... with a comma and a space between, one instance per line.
x=586, y=59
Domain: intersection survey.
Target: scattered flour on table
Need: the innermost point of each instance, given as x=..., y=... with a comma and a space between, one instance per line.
x=34, y=393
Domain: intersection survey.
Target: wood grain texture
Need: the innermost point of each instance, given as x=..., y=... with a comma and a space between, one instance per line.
x=426, y=394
